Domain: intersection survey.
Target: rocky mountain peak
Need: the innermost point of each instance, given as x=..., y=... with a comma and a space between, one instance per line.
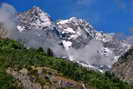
x=74, y=21
x=34, y=18
x=36, y=9
x=74, y=28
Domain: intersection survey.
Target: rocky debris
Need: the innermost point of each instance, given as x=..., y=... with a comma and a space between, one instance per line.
x=43, y=78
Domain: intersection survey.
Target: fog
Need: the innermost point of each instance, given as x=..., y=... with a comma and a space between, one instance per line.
x=37, y=38
x=7, y=19
x=91, y=54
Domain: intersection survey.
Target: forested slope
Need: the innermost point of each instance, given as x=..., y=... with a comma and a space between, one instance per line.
x=18, y=62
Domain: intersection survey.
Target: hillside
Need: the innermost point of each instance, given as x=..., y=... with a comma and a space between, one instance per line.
x=22, y=68
x=124, y=67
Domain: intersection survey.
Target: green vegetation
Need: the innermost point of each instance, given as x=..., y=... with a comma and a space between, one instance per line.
x=50, y=52
x=13, y=54
x=7, y=82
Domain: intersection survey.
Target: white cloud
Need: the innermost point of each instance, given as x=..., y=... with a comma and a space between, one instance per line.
x=7, y=18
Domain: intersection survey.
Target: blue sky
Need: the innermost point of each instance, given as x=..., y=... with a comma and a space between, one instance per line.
x=104, y=15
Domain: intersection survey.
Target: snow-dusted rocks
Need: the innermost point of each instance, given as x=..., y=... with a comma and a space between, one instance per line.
x=75, y=28
x=73, y=38
x=35, y=18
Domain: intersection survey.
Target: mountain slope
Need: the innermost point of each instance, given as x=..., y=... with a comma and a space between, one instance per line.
x=22, y=63
x=124, y=67
x=71, y=39
x=79, y=37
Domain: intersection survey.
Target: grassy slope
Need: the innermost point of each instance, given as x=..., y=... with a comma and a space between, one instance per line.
x=13, y=54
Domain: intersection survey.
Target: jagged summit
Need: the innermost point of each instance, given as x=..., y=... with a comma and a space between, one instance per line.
x=36, y=8
x=35, y=18
x=75, y=28
x=37, y=11
x=72, y=19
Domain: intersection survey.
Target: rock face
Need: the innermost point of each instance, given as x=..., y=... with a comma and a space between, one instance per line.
x=124, y=67
x=73, y=38
x=77, y=31
x=43, y=78
x=35, y=18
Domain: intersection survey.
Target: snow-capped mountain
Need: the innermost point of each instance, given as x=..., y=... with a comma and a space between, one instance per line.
x=80, y=37
x=34, y=19
x=77, y=31
x=73, y=38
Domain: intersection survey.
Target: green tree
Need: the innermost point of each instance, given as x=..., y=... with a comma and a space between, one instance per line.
x=40, y=50
x=50, y=52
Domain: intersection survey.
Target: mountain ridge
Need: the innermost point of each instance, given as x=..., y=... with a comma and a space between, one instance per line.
x=70, y=38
